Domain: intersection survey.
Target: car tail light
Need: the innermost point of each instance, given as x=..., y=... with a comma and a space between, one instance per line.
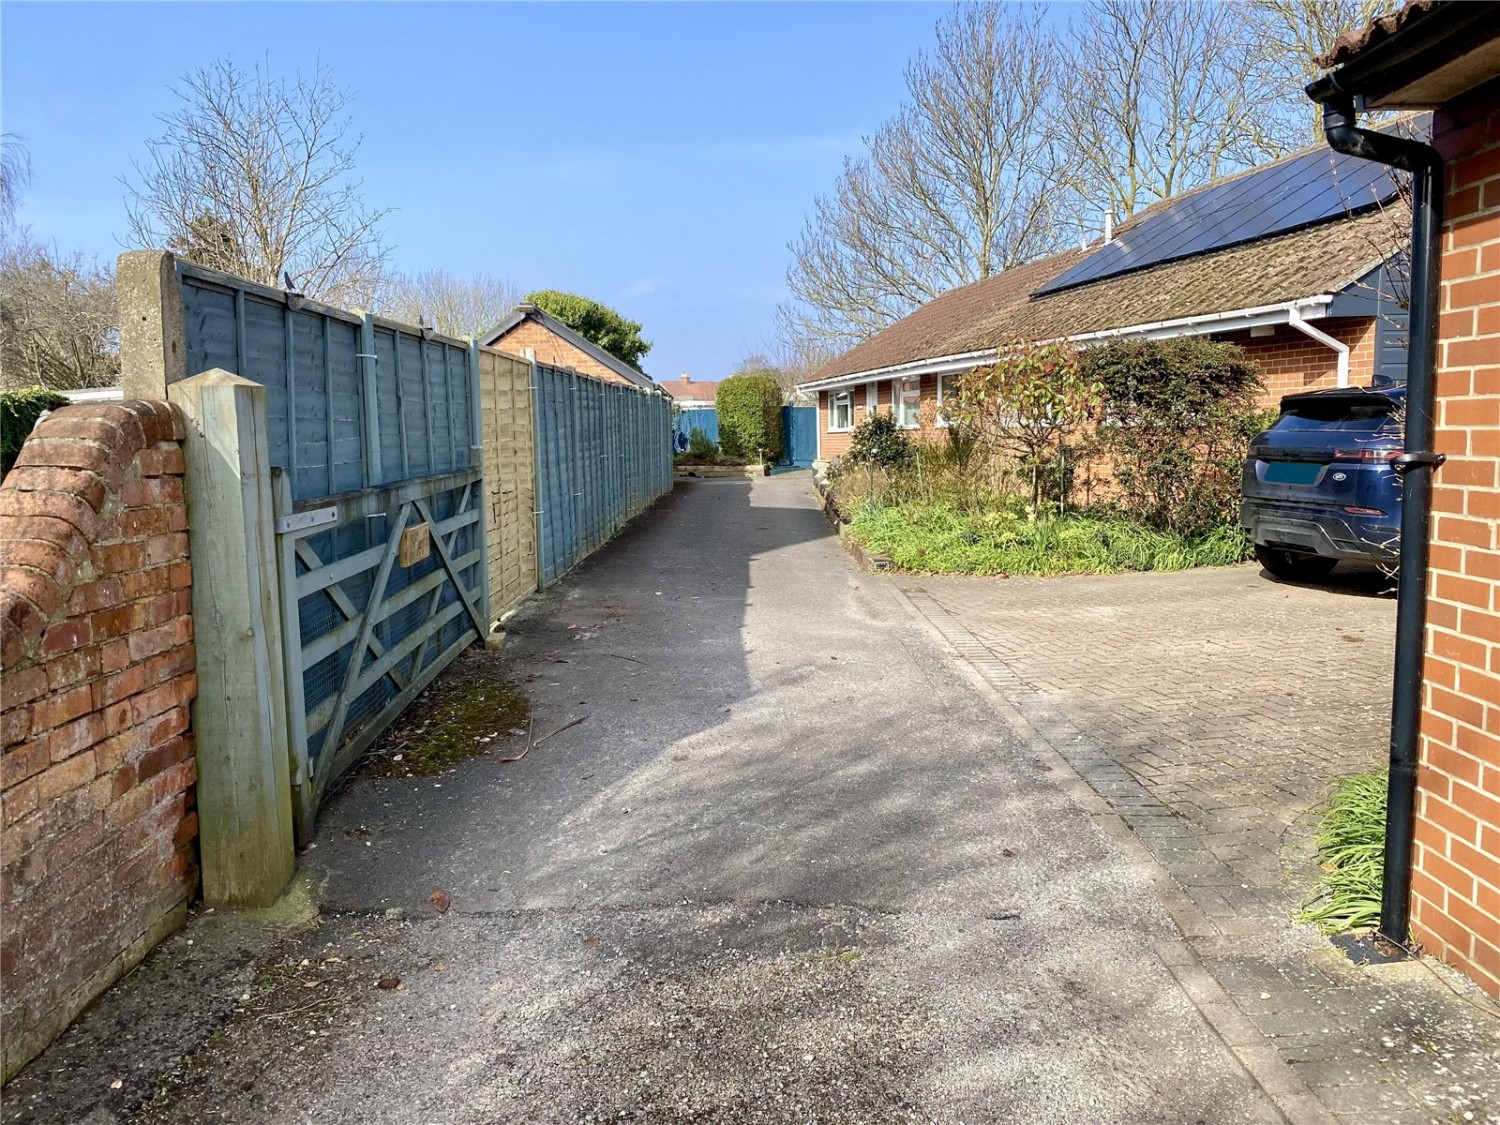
x=1366, y=453
x=1353, y=511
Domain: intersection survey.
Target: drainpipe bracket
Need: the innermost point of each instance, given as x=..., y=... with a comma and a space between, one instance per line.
x=1408, y=461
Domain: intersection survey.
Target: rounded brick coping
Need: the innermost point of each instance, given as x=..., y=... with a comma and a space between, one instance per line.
x=51, y=502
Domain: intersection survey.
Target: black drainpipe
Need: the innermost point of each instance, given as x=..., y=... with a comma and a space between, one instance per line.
x=1415, y=466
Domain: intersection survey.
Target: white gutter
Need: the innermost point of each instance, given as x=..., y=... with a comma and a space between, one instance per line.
x=1294, y=318
x=1232, y=320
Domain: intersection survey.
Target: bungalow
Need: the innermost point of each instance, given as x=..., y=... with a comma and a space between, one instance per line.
x=691, y=394
x=533, y=333
x=1443, y=860
x=1298, y=261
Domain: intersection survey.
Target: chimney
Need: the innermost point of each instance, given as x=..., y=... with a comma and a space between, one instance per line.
x=686, y=378
x=1109, y=227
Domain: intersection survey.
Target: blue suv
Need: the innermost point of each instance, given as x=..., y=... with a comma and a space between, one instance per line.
x=1318, y=486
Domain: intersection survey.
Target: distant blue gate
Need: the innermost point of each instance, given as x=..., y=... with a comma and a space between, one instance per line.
x=704, y=418
x=799, y=435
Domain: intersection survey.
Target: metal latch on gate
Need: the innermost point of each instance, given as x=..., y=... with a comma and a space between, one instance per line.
x=305, y=521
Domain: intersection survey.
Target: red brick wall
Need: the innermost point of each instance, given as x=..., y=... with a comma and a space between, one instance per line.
x=555, y=351
x=96, y=781
x=1291, y=362
x=1456, y=884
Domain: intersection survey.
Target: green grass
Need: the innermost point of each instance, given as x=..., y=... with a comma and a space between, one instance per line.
x=1351, y=846
x=938, y=539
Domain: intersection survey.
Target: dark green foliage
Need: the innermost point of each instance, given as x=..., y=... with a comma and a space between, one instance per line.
x=880, y=442
x=1178, y=417
x=596, y=323
x=700, y=444
x=19, y=411
x=750, y=416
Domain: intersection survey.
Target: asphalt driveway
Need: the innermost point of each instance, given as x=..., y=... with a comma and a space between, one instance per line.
x=787, y=868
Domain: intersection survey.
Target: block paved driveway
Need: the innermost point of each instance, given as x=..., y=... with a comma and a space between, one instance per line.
x=1231, y=698
x=1209, y=711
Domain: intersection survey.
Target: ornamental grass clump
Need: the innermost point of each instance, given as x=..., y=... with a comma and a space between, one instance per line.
x=1351, y=848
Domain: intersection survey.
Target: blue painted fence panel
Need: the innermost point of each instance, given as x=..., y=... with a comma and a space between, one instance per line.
x=603, y=456
x=308, y=357
x=704, y=418
x=378, y=418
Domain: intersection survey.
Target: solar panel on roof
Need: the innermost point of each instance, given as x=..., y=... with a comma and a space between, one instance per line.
x=1311, y=188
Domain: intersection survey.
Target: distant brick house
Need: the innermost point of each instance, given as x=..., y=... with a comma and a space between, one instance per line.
x=1446, y=57
x=691, y=394
x=1317, y=304
x=530, y=331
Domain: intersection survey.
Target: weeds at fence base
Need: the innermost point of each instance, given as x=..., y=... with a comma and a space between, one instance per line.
x=469, y=710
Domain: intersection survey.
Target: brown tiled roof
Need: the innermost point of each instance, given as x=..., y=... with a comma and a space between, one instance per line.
x=932, y=330
x=686, y=388
x=1351, y=43
x=1321, y=259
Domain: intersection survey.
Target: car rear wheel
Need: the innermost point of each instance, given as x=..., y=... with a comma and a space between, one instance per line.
x=1293, y=565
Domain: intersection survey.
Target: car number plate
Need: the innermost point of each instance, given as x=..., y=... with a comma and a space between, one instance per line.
x=1292, y=472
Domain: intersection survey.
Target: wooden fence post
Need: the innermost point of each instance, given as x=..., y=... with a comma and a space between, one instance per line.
x=239, y=717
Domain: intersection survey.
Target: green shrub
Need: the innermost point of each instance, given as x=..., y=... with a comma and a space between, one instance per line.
x=700, y=444
x=878, y=441
x=750, y=416
x=19, y=411
x=1178, y=418
x=1351, y=846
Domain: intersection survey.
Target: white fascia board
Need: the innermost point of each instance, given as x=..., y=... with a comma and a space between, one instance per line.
x=1232, y=320
x=937, y=365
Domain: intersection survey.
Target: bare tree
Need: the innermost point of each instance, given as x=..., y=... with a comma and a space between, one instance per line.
x=1288, y=36
x=959, y=185
x=58, y=321
x=454, y=305
x=15, y=174
x=1166, y=96
x=254, y=176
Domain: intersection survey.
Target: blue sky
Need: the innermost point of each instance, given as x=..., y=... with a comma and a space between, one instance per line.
x=657, y=157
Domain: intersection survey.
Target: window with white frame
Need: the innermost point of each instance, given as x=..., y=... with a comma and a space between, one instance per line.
x=906, y=402
x=840, y=411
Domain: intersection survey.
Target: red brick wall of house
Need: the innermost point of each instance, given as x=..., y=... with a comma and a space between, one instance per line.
x=555, y=351
x=97, y=776
x=1289, y=361
x=1456, y=884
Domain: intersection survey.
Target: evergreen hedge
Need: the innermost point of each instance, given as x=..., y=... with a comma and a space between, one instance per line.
x=750, y=416
x=19, y=410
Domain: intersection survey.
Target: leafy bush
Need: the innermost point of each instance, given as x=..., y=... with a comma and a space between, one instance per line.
x=939, y=539
x=700, y=444
x=19, y=410
x=1030, y=404
x=1351, y=845
x=1178, y=417
x=878, y=441
x=750, y=416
